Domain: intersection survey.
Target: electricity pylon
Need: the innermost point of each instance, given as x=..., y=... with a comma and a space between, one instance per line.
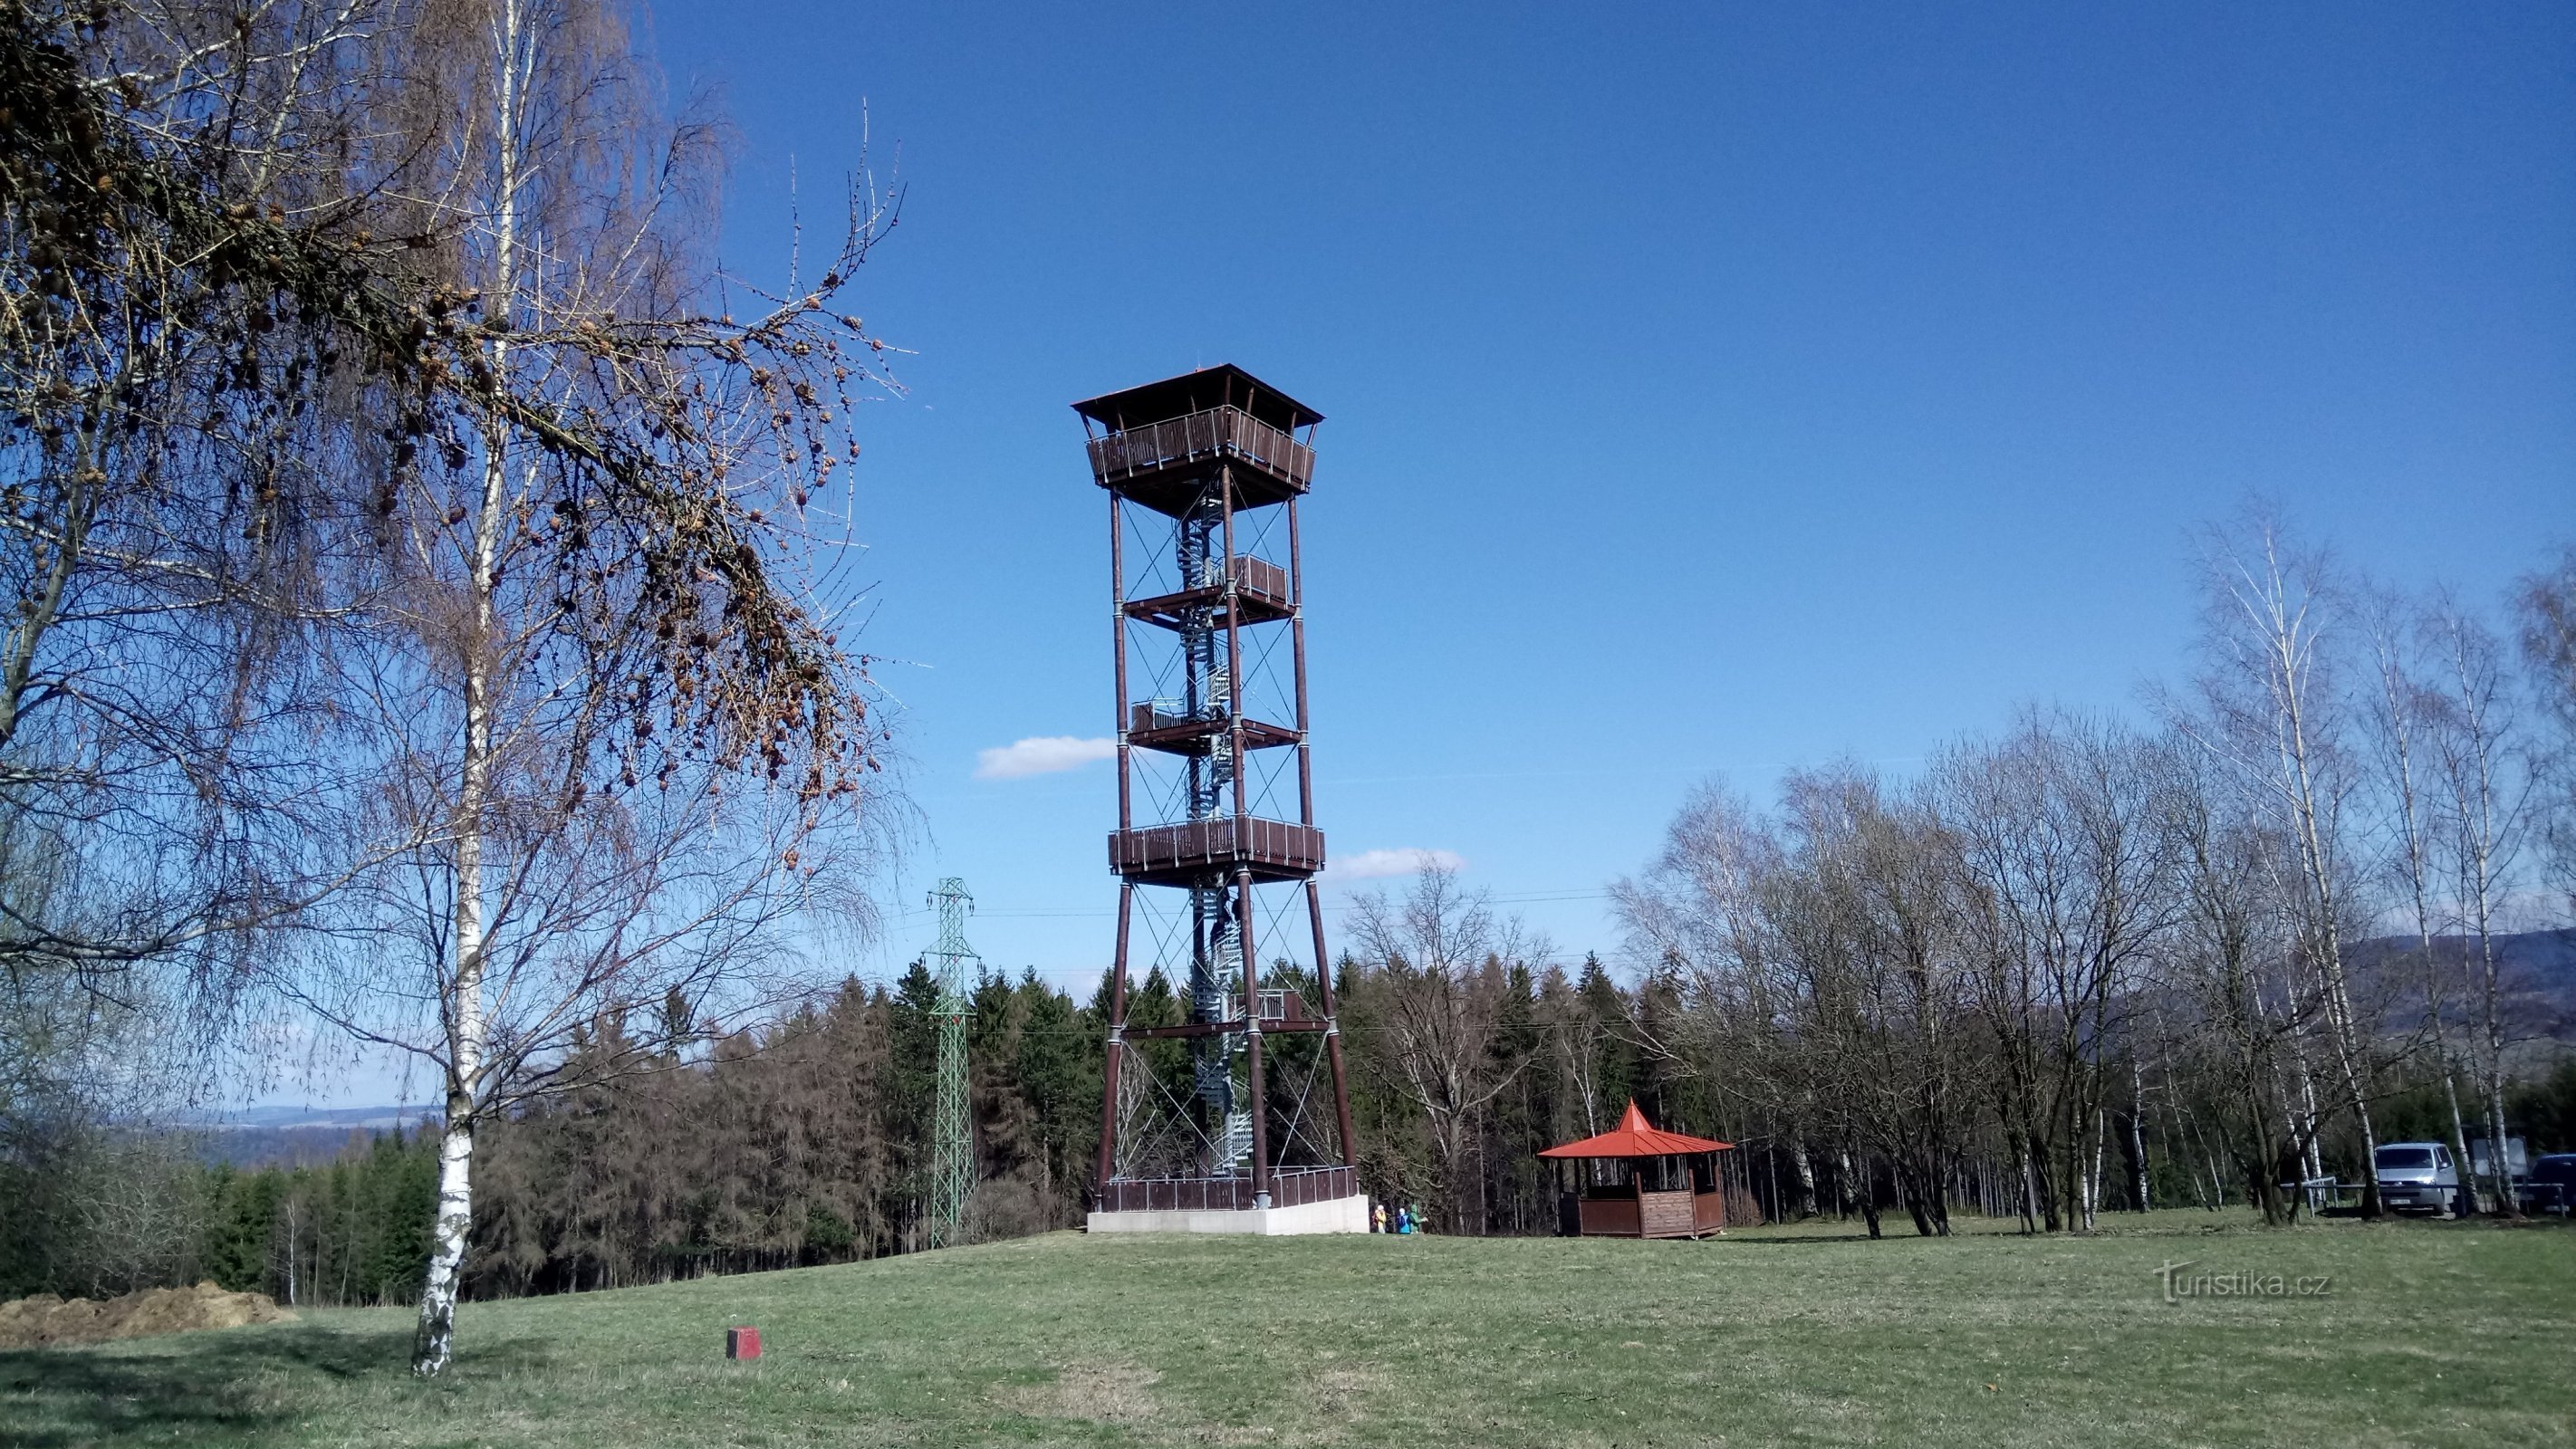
x=952, y=1170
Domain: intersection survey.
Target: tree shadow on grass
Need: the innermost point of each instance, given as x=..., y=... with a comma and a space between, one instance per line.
x=1861, y=1235
x=225, y=1386
x=1804, y=1239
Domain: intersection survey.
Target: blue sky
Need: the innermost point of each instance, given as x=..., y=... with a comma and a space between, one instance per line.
x=1711, y=389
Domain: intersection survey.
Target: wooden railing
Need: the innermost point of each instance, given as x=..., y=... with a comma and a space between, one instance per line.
x=1262, y=579
x=1275, y=1004
x=1217, y=844
x=1296, y=1186
x=1664, y=1214
x=1611, y=1217
x=1677, y=1214
x=1708, y=1212
x=1217, y=432
x=1289, y=1187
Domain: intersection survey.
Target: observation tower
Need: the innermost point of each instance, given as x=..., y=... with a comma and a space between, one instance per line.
x=1212, y=1119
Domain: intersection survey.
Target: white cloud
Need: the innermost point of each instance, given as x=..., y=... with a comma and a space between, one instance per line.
x=1375, y=864
x=1040, y=755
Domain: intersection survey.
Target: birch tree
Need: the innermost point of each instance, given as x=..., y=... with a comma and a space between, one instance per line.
x=204, y=320
x=1862, y=921
x=2482, y=804
x=2063, y=868
x=1698, y=913
x=2403, y=717
x=2224, y=960
x=601, y=681
x=2268, y=708
x=2545, y=609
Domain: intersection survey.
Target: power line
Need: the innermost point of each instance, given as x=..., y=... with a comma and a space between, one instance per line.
x=1052, y=913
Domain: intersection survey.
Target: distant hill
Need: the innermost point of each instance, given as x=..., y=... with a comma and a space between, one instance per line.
x=2536, y=969
x=299, y=1136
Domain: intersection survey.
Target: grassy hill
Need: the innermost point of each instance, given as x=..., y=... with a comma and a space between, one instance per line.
x=2429, y=1334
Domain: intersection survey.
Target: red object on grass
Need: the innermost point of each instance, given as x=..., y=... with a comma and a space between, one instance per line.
x=742, y=1343
x=1637, y=1137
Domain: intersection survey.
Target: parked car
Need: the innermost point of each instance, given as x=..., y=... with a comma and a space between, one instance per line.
x=2551, y=1188
x=2417, y=1177
x=2517, y=1160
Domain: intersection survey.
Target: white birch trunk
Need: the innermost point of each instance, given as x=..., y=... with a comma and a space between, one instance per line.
x=2399, y=697
x=2482, y=921
x=2290, y=644
x=2312, y=1163
x=2499, y=1162
x=468, y=1027
x=434, y=1341
x=2138, y=1182
x=433, y=1344
x=2500, y=1167
x=2343, y=1032
x=2093, y=1174
x=2459, y=1136
x=2485, y=826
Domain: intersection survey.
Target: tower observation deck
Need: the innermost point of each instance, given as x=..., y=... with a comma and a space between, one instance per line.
x=1205, y=1114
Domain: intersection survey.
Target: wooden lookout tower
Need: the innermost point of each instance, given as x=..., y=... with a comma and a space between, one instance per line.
x=1212, y=1120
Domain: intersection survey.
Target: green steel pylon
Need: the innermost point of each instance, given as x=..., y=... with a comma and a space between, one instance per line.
x=952, y=1169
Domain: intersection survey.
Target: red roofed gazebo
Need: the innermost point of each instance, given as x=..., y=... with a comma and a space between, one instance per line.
x=1667, y=1183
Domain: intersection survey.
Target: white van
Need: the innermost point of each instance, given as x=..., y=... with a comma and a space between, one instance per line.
x=2417, y=1177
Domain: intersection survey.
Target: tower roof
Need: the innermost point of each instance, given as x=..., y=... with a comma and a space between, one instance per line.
x=1224, y=385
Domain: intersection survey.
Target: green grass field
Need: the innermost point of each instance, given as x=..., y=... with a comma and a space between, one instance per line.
x=2430, y=1334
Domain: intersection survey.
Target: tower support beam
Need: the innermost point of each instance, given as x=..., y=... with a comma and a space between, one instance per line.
x=1117, y=1038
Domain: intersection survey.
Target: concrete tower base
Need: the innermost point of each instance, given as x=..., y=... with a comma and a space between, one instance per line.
x=1333, y=1215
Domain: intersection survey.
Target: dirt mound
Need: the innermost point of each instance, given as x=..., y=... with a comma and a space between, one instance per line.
x=45, y=1319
